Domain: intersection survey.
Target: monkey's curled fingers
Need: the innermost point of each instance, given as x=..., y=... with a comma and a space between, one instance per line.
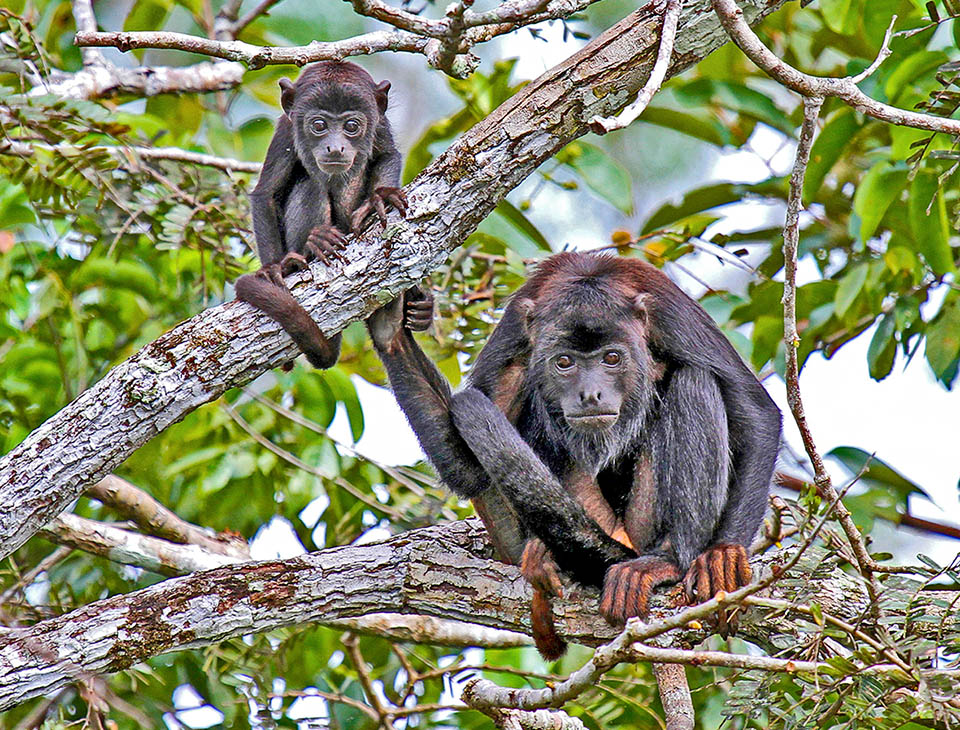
x=538, y=567
x=325, y=241
x=271, y=273
x=293, y=262
x=627, y=586
x=418, y=309
x=376, y=204
x=722, y=567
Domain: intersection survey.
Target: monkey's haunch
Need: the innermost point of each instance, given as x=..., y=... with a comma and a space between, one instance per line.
x=280, y=305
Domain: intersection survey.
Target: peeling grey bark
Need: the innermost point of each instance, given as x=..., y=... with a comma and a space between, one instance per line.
x=443, y=571
x=229, y=345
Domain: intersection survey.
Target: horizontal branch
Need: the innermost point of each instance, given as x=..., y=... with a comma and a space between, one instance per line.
x=229, y=345
x=445, y=42
x=254, y=56
x=105, y=80
x=442, y=571
x=845, y=89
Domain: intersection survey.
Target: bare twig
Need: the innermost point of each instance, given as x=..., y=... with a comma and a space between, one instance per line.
x=153, y=517
x=352, y=645
x=27, y=578
x=845, y=89
x=674, y=695
x=791, y=337
x=105, y=80
x=671, y=16
x=300, y=464
x=86, y=20
x=131, y=548
x=445, y=42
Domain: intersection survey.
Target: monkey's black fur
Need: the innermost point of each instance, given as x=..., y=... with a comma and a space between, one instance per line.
x=332, y=163
x=606, y=399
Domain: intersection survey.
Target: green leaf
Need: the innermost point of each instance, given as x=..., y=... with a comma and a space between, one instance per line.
x=931, y=232
x=737, y=97
x=841, y=16
x=15, y=207
x=910, y=68
x=849, y=287
x=711, y=196
x=344, y=391
x=943, y=338
x=519, y=223
x=883, y=348
x=706, y=129
x=130, y=275
x=828, y=148
x=875, y=193
x=603, y=175
x=876, y=472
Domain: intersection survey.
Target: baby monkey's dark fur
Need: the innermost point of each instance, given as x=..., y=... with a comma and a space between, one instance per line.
x=331, y=165
x=608, y=425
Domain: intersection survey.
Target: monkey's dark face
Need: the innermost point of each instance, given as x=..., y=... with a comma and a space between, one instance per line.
x=335, y=138
x=591, y=373
x=334, y=127
x=589, y=387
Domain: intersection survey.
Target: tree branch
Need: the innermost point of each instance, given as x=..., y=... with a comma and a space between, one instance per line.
x=227, y=346
x=440, y=571
x=844, y=89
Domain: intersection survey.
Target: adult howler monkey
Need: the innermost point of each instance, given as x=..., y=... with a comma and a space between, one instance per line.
x=331, y=165
x=608, y=425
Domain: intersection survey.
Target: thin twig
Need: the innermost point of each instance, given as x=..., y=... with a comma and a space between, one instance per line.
x=845, y=89
x=668, y=34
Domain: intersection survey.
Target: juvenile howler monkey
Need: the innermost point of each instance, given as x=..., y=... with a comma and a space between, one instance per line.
x=331, y=165
x=608, y=425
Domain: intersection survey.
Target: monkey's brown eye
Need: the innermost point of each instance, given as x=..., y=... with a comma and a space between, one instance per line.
x=564, y=362
x=611, y=358
x=318, y=126
x=352, y=127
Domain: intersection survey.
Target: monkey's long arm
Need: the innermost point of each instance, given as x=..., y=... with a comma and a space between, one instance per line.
x=687, y=335
x=577, y=543
x=424, y=395
x=274, y=177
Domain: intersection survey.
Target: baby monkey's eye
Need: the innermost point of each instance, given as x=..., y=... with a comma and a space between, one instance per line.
x=564, y=362
x=611, y=358
x=318, y=126
x=352, y=127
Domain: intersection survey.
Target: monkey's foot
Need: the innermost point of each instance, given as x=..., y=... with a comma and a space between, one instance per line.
x=722, y=567
x=325, y=241
x=538, y=567
x=377, y=204
x=627, y=586
x=418, y=309
x=271, y=273
x=293, y=262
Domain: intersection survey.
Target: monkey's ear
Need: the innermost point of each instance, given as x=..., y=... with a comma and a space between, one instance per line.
x=641, y=307
x=525, y=313
x=286, y=95
x=380, y=92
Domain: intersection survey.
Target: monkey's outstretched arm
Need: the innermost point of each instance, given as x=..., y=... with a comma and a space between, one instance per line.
x=274, y=177
x=424, y=395
x=578, y=544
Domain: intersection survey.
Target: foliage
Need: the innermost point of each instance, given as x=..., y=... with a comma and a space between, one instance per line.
x=103, y=250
